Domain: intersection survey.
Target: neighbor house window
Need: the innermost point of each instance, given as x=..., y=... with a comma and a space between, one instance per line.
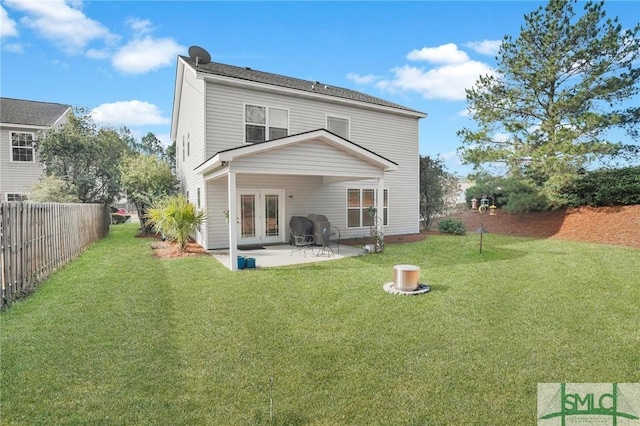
x=183, y=148
x=22, y=147
x=359, y=204
x=198, y=197
x=16, y=197
x=339, y=126
x=265, y=123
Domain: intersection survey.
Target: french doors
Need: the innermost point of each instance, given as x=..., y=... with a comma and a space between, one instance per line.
x=261, y=216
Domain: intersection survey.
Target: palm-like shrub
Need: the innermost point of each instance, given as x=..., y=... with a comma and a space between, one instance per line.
x=176, y=219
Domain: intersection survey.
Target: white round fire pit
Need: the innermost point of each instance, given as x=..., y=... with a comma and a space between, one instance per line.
x=406, y=280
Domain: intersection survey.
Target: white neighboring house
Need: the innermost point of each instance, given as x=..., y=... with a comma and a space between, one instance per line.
x=267, y=147
x=20, y=122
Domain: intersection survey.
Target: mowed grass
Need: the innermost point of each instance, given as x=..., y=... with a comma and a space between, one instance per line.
x=119, y=337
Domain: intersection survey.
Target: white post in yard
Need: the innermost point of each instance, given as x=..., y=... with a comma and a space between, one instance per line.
x=233, y=223
x=380, y=207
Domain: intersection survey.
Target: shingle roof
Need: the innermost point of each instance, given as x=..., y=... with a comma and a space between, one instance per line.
x=249, y=74
x=33, y=113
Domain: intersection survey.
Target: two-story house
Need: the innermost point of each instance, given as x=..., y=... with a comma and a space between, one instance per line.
x=260, y=148
x=20, y=122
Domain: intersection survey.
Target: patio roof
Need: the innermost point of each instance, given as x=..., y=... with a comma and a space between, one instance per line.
x=346, y=147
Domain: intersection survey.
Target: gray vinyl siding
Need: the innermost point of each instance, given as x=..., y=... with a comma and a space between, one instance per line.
x=312, y=158
x=190, y=129
x=16, y=177
x=393, y=136
x=190, y=149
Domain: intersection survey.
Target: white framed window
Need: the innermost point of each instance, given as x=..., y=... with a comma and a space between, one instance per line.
x=183, y=150
x=338, y=125
x=16, y=197
x=198, y=197
x=359, y=204
x=263, y=123
x=22, y=148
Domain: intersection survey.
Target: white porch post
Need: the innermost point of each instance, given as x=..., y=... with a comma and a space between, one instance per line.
x=233, y=226
x=380, y=206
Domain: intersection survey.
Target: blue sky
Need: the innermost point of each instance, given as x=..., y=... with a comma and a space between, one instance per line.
x=118, y=58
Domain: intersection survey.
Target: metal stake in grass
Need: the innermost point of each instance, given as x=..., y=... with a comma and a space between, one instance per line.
x=271, y=400
x=482, y=209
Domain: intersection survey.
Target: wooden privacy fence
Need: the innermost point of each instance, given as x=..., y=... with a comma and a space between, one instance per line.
x=36, y=239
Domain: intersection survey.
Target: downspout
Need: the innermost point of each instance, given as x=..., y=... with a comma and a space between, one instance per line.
x=233, y=228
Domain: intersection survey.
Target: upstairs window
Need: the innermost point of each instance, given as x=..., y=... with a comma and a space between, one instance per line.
x=22, y=147
x=265, y=123
x=339, y=126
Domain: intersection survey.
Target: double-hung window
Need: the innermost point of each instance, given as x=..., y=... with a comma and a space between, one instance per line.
x=339, y=126
x=22, y=148
x=265, y=123
x=16, y=197
x=361, y=205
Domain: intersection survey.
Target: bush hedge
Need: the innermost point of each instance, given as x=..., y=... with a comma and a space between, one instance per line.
x=452, y=226
x=605, y=187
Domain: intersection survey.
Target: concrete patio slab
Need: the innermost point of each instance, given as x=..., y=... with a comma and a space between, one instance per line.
x=281, y=255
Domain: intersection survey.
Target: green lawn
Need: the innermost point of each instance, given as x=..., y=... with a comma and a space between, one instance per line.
x=119, y=337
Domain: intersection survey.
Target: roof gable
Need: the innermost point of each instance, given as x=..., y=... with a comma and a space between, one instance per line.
x=31, y=113
x=343, y=145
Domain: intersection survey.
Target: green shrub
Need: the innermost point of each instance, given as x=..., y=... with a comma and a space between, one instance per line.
x=605, y=187
x=176, y=218
x=452, y=226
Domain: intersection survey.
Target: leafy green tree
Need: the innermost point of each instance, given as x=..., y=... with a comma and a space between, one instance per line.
x=150, y=145
x=557, y=91
x=176, y=219
x=170, y=155
x=84, y=155
x=438, y=189
x=146, y=179
x=51, y=189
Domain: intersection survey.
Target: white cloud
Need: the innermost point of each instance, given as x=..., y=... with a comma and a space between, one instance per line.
x=128, y=113
x=485, y=47
x=98, y=53
x=447, y=82
x=362, y=79
x=453, y=72
x=140, y=26
x=7, y=25
x=147, y=54
x=464, y=113
x=164, y=138
x=61, y=22
x=501, y=137
x=444, y=54
x=12, y=47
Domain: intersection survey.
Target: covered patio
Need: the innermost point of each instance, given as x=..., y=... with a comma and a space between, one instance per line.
x=283, y=172
x=283, y=255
